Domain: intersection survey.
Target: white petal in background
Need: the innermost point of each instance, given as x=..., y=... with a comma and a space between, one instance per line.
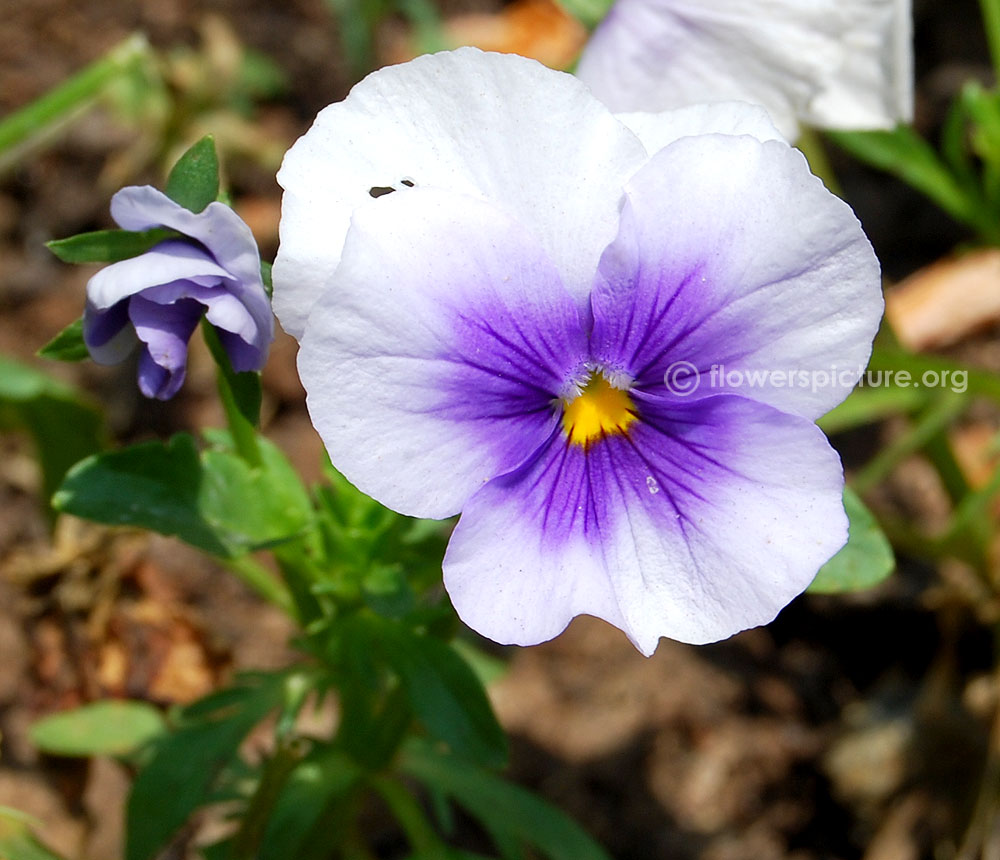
x=830, y=63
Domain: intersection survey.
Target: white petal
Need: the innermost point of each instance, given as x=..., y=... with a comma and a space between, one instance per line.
x=656, y=130
x=788, y=55
x=532, y=141
x=874, y=86
x=432, y=362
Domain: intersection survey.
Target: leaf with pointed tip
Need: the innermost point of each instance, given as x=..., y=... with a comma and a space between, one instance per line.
x=194, y=180
x=68, y=345
x=110, y=727
x=108, y=246
x=214, y=501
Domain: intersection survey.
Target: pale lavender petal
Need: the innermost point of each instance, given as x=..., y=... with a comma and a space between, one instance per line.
x=165, y=331
x=166, y=263
x=224, y=311
x=225, y=236
x=243, y=355
x=706, y=519
x=732, y=255
x=434, y=360
x=107, y=333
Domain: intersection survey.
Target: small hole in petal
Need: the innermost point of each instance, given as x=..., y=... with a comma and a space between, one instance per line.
x=409, y=183
x=380, y=191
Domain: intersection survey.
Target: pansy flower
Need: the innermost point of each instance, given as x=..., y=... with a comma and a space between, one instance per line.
x=155, y=301
x=490, y=276
x=844, y=64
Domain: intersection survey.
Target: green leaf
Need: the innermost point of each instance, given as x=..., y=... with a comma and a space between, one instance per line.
x=444, y=692
x=864, y=561
x=870, y=405
x=590, y=13
x=108, y=246
x=186, y=764
x=905, y=154
x=102, y=728
x=955, y=143
x=152, y=485
x=513, y=816
x=68, y=345
x=194, y=180
x=253, y=508
x=486, y=667
x=215, y=501
x=311, y=814
x=63, y=424
x=16, y=840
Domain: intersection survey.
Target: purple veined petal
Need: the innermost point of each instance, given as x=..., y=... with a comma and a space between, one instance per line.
x=168, y=262
x=835, y=63
x=108, y=334
x=433, y=361
x=657, y=130
x=706, y=519
x=225, y=236
x=532, y=141
x=733, y=258
x=164, y=331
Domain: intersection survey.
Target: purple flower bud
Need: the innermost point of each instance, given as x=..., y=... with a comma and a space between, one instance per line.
x=155, y=301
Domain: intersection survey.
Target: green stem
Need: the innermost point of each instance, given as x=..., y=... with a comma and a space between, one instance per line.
x=286, y=757
x=242, y=431
x=408, y=812
x=261, y=580
x=938, y=416
x=66, y=100
x=241, y=428
x=972, y=380
x=974, y=512
x=991, y=23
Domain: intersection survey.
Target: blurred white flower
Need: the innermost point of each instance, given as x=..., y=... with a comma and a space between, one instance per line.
x=839, y=64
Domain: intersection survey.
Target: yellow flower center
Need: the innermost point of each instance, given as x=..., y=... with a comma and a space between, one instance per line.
x=599, y=410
